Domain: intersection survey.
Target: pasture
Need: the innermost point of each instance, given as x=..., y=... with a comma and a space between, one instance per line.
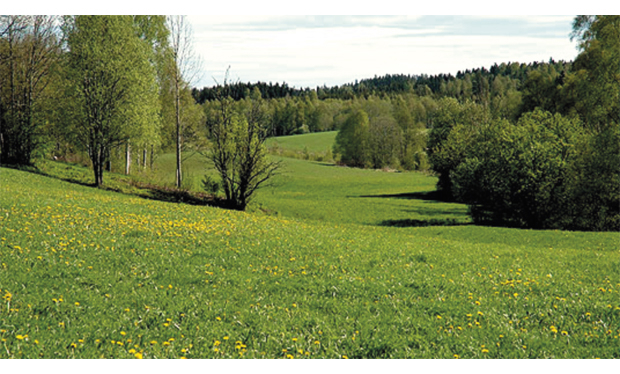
x=315, y=271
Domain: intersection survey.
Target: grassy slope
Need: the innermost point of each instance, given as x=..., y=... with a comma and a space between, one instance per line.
x=89, y=273
x=315, y=142
x=322, y=191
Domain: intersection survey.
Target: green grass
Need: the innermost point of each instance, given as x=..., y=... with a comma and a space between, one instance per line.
x=326, y=192
x=87, y=273
x=315, y=142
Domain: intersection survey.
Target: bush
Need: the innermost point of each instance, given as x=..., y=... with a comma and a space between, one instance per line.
x=210, y=185
x=519, y=175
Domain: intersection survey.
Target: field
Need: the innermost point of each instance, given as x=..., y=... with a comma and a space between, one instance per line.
x=315, y=271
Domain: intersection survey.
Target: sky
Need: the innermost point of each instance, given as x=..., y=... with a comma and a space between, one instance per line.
x=311, y=51
x=278, y=41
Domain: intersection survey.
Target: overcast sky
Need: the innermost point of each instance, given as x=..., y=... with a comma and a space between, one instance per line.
x=307, y=51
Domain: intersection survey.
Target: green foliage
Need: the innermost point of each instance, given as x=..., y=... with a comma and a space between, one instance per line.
x=453, y=134
x=210, y=185
x=111, y=86
x=595, y=192
x=29, y=58
x=518, y=174
x=593, y=88
x=352, y=141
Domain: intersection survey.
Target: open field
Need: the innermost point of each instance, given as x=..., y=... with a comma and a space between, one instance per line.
x=89, y=273
x=314, y=142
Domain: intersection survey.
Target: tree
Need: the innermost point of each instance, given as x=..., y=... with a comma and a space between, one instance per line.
x=111, y=86
x=183, y=70
x=453, y=131
x=352, y=141
x=593, y=87
x=29, y=52
x=238, y=150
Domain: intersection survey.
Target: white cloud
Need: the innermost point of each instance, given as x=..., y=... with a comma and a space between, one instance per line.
x=311, y=56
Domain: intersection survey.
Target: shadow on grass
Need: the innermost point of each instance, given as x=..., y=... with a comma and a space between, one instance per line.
x=428, y=195
x=136, y=188
x=174, y=195
x=423, y=223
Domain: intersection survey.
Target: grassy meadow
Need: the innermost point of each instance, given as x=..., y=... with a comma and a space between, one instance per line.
x=331, y=262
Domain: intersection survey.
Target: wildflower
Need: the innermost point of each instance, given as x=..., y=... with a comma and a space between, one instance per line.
x=564, y=333
x=123, y=333
x=77, y=304
x=484, y=350
x=20, y=337
x=456, y=356
x=554, y=329
x=345, y=357
x=73, y=345
x=138, y=356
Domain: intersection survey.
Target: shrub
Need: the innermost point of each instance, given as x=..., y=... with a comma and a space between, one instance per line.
x=518, y=175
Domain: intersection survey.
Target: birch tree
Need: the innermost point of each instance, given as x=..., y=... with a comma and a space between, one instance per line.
x=184, y=71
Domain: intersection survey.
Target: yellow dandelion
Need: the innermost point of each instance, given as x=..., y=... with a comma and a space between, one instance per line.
x=484, y=350
x=456, y=356
x=138, y=356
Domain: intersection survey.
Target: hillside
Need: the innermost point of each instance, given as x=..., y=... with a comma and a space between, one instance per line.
x=87, y=273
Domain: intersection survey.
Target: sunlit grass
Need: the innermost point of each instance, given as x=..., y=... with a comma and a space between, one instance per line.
x=86, y=273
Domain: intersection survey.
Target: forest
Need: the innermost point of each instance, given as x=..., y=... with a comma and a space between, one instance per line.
x=522, y=144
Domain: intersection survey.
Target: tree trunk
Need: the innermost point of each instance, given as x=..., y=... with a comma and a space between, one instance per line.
x=127, y=157
x=178, y=120
x=144, y=153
